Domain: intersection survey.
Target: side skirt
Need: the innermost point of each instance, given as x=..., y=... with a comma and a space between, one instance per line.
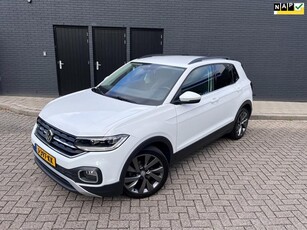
x=202, y=142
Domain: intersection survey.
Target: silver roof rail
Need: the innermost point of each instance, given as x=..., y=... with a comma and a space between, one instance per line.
x=207, y=58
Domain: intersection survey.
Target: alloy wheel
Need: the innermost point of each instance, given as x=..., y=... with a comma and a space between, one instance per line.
x=144, y=174
x=242, y=123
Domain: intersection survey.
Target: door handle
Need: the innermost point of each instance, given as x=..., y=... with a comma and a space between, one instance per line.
x=215, y=99
x=61, y=64
x=97, y=65
x=238, y=89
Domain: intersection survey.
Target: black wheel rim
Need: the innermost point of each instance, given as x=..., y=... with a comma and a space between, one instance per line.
x=144, y=174
x=242, y=123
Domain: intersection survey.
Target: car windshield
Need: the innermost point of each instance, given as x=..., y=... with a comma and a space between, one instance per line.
x=140, y=83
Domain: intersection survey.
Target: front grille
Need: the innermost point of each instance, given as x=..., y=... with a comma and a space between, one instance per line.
x=61, y=141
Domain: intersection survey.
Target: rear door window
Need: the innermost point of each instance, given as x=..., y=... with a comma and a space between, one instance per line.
x=225, y=74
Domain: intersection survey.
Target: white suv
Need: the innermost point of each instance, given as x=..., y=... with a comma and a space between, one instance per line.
x=122, y=135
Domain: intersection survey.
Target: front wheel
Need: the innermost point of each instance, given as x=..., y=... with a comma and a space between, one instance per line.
x=146, y=173
x=241, y=123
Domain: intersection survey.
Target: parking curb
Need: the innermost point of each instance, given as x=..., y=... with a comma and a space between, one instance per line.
x=26, y=112
x=287, y=117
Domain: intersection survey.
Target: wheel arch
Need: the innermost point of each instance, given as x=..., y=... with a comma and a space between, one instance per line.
x=159, y=142
x=246, y=104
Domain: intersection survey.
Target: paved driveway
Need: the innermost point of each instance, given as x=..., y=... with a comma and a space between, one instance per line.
x=257, y=182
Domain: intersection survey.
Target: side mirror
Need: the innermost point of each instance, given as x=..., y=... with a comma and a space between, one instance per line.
x=189, y=97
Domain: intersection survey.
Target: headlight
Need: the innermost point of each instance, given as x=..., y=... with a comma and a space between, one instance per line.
x=100, y=144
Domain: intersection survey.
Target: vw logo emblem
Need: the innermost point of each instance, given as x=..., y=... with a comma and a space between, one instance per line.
x=49, y=135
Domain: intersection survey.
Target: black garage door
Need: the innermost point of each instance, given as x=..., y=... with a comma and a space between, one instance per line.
x=72, y=58
x=145, y=41
x=109, y=51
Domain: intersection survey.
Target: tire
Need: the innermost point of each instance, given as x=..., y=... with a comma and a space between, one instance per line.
x=240, y=126
x=146, y=173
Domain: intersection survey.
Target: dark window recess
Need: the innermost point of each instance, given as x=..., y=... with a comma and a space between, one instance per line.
x=61, y=141
x=207, y=78
x=200, y=80
x=235, y=74
x=225, y=74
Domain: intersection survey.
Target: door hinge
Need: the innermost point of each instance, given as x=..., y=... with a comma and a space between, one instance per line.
x=87, y=34
x=87, y=41
x=125, y=41
x=161, y=43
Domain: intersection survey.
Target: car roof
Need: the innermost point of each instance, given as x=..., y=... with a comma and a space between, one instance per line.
x=175, y=60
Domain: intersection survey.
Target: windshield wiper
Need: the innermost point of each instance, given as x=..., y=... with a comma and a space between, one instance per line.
x=122, y=99
x=97, y=90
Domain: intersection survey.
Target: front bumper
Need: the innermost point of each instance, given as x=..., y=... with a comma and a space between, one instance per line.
x=54, y=176
x=107, y=190
x=110, y=165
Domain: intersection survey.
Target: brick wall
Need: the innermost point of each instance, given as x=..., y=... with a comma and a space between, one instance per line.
x=271, y=48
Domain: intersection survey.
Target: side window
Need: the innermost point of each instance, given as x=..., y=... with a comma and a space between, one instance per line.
x=200, y=80
x=235, y=74
x=225, y=74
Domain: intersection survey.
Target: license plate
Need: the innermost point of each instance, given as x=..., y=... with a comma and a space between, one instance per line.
x=45, y=156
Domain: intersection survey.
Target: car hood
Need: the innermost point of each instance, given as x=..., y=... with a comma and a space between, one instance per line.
x=86, y=113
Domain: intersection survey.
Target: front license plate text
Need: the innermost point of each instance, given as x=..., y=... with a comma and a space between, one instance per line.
x=46, y=156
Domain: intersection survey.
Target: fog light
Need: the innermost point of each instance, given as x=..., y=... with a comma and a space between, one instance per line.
x=88, y=175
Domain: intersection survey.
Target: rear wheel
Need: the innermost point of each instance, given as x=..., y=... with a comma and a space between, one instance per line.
x=240, y=124
x=146, y=173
